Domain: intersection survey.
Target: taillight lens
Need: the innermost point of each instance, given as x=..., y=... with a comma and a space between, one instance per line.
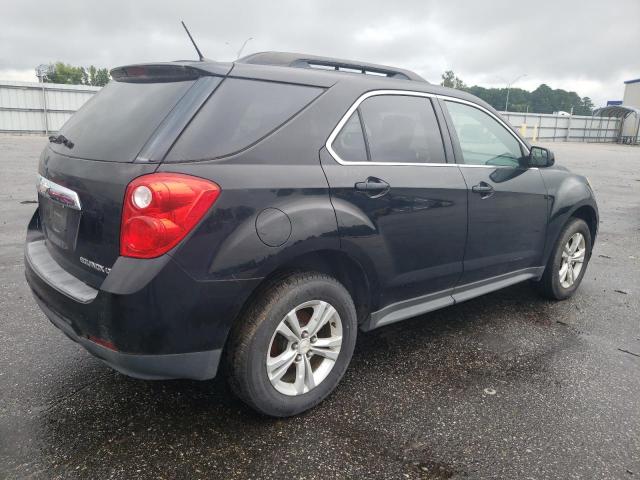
x=160, y=209
x=104, y=343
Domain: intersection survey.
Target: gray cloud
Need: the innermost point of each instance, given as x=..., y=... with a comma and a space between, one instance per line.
x=588, y=46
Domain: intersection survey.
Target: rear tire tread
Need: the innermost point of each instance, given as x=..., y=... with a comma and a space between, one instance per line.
x=238, y=367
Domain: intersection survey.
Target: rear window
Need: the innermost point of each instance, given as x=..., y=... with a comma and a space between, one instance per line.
x=116, y=123
x=240, y=113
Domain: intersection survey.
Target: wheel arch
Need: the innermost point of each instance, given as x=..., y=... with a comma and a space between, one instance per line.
x=590, y=217
x=584, y=210
x=335, y=263
x=570, y=196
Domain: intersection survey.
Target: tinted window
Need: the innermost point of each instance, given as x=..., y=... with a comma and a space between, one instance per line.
x=238, y=114
x=349, y=144
x=483, y=140
x=402, y=129
x=116, y=123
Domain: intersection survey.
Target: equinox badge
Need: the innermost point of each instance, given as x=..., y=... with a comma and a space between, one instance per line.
x=96, y=266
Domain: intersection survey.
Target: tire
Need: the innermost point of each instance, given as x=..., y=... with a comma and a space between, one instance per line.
x=254, y=342
x=551, y=285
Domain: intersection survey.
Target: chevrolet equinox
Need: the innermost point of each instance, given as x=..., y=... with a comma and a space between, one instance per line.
x=251, y=217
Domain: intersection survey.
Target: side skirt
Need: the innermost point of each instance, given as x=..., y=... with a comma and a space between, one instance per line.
x=434, y=301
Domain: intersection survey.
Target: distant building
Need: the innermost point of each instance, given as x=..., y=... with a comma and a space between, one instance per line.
x=631, y=93
x=631, y=99
x=628, y=111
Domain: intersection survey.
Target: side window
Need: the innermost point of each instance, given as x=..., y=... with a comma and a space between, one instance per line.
x=238, y=114
x=402, y=129
x=483, y=140
x=349, y=144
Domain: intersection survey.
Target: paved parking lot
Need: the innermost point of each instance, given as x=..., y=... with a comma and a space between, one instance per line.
x=504, y=386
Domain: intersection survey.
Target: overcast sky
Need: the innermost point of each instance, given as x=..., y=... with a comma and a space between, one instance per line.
x=590, y=46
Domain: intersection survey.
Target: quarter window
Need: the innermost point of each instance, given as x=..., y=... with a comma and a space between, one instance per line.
x=349, y=144
x=239, y=113
x=482, y=139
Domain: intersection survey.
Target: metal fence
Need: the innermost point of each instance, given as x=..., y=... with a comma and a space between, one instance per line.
x=574, y=128
x=41, y=108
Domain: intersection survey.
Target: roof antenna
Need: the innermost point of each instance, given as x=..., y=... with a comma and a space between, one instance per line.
x=200, y=56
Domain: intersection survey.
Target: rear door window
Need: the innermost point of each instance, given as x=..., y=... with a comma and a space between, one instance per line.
x=239, y=114
x=402, y=129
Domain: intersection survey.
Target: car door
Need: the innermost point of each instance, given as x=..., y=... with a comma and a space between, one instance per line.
x=401, y=208
x=507, y=199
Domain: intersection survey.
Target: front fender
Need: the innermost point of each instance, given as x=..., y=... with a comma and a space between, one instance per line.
x=568, y=193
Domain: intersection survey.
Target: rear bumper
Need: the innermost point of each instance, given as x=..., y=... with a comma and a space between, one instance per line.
x=159, y=321
x=193, y=365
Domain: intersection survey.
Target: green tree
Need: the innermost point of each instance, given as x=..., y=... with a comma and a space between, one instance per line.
x=101, y=77
x=450, y=80
x=585, y=107
x=91, y=74
x=60, y=72
x=519, y=99
x=64, y=73
x=543, y=99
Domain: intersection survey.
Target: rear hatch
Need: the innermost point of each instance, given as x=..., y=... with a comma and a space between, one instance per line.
x=121, y=133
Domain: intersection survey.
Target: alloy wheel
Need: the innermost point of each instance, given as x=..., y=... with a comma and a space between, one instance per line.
x=573, y=255
x=304, y=347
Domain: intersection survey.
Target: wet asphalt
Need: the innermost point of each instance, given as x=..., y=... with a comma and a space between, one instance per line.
x=504, y=386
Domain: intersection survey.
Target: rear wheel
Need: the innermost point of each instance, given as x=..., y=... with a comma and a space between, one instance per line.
x=293, y=344
x=568, y=262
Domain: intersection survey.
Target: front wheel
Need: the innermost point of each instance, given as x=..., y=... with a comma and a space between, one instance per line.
x=568, y=262
x=293, y=344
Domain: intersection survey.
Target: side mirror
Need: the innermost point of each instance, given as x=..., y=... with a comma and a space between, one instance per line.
x=541, y=157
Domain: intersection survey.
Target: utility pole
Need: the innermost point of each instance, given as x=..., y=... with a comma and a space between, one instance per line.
x=506, y=104
x=242, y=47
x=41, y=72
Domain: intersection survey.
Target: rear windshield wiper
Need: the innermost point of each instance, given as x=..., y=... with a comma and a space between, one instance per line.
x=61, y=139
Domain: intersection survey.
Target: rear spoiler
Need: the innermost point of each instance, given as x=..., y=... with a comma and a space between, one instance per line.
x=168, y=72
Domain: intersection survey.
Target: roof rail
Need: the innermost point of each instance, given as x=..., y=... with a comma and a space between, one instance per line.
x=300, y=60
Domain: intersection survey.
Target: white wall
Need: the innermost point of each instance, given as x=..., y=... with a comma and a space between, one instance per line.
x=22, y=105
x=576, y=128
x=631, y=95
x=22, y=111
x=631, y=99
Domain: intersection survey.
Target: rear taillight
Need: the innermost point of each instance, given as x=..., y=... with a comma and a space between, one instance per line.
x=160, y=209
x=103, y=343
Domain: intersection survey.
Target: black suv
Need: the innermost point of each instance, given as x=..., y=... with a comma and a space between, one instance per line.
x=255, y=215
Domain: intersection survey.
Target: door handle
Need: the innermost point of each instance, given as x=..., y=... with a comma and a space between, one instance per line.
x=483, y=188
x=373, y=187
